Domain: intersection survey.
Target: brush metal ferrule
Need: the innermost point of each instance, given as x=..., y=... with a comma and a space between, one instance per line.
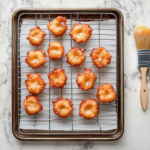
x=143, y=58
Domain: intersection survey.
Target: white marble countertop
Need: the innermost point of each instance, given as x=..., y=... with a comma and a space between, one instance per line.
x=137, y=122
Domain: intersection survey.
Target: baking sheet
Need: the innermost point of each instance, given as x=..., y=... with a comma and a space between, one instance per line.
x=44, y=120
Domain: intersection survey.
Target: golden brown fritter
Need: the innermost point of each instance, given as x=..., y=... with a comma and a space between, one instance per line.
x=106, y=93
x=89, y=108
x=81, y=32
x=32, y=105
x=55, y=50
x=34, y=83
x=85, y=80
x=63, y=107
x=75, y=57
x=57, y=78
x=36, y=36
x=58, y=26
x=100, y=57
x=36, y=59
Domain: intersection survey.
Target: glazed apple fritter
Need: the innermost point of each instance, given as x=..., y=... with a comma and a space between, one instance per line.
x=100, y=57
x=55, y=50
x=34, y=83
x=32, y=105
x=89, y=108
x=106, y=93
x=75, y=57
x=58, y=26
x=63, y=107
x=36, y=59
x=57, y=78
x=36, y=36
x=85, y=80
x=81, y=32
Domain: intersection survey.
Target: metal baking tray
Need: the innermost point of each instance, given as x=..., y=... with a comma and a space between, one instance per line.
x=100, y=16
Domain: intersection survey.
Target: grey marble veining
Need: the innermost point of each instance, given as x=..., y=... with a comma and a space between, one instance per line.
x=137, y=122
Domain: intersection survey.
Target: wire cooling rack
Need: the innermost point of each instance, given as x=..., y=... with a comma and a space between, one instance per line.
x=46, y=122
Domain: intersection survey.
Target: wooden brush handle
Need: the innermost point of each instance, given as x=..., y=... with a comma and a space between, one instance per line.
x=144, y=90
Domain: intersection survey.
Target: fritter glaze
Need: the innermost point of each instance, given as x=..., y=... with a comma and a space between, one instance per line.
x=81, y=32
x=36, y=59
x=100, y=57
x=58, y=26
x=106, y=93
x=36, y=36
x=55, y=50
x=32, y=105
x=57, y=78
x=89, y=108
x=75, y=57
x=63, y=107
x=34, y=83
x=85, y=80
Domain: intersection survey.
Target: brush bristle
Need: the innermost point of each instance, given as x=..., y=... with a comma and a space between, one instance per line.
x=142, y=37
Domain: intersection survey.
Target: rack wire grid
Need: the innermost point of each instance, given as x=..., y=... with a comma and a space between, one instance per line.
x=46, y=122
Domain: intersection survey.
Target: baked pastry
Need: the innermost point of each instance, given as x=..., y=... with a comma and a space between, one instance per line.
x=106, y=93
x=32, y=105
x=34, y=83
x=89, y=108
x=55, y=50
x=58, y=26
x=75, y=57
x=36, y=36
x=63, y=107
x=100, y=57
x=57, y=78
x=85, y=80
x=81, y=32
x=36, y=59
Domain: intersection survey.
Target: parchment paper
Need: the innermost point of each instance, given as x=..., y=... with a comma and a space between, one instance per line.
x=46, y=119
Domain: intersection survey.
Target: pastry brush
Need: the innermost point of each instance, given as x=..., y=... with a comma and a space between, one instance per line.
x=142, y=39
